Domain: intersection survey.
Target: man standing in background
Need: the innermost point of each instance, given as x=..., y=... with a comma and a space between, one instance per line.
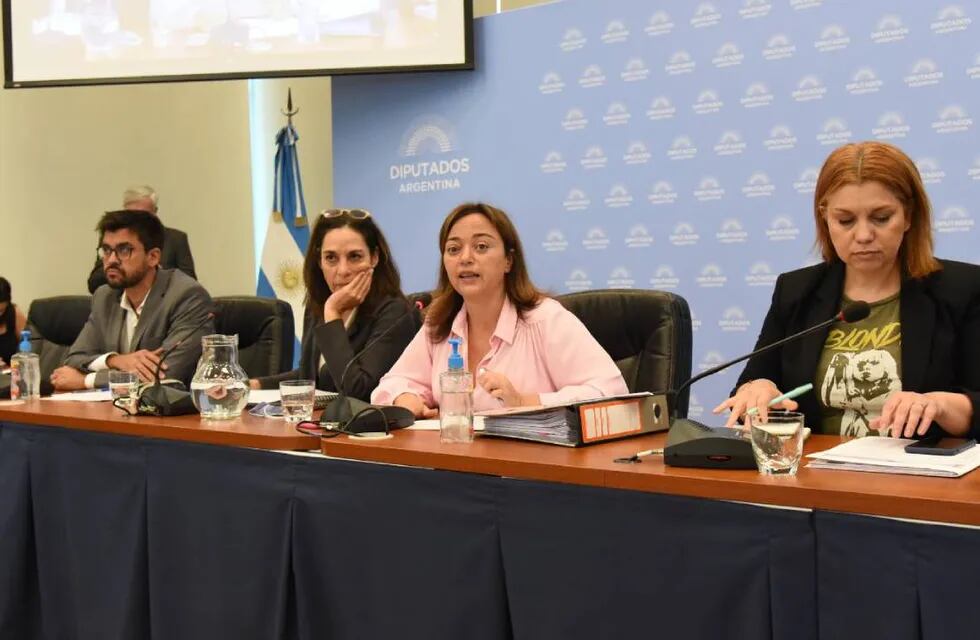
x=176, y=252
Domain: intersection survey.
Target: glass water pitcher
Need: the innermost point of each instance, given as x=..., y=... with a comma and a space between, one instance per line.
x=219, y=388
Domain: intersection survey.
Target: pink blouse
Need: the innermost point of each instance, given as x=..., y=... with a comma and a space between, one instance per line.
x=549, y=352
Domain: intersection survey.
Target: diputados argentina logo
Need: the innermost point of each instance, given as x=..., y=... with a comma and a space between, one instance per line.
x=930, y=170
x=433, y=161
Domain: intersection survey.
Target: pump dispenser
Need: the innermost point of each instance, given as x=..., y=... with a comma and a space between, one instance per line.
x=456, y=404
x=455, y=358
x=25, y=371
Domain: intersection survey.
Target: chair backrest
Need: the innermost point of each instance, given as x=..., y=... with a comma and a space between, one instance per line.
x=55, y=323
x=266, y=333
x=647, y=333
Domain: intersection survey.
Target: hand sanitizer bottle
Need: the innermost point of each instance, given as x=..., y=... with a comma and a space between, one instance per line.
x=25, y=371
x=456, y=405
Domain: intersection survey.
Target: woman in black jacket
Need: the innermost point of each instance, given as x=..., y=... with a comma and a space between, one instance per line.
x=914, y=363
x=353, y=300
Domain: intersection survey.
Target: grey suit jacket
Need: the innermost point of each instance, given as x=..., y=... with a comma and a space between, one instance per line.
x=176, y=254
x=175, y=305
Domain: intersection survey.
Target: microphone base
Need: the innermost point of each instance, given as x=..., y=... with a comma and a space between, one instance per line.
x=341, y=411
x=692, y=444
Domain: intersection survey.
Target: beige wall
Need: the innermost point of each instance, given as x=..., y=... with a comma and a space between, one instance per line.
x=67, y=154
x=486, y=7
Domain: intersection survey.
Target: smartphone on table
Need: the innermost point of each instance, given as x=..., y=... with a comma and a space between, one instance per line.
x=939, y=446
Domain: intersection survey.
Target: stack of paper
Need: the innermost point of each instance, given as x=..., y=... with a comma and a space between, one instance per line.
x=87, y=395
x=887, y=455
x=549, y=425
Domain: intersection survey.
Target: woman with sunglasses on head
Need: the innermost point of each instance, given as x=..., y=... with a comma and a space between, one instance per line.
x=353, y=299
x=522, y=347
x=913, y=365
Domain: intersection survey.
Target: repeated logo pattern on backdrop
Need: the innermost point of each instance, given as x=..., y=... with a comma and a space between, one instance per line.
x=668, y=145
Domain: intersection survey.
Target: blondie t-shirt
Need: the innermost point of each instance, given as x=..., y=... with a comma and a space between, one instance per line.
x=860, y=366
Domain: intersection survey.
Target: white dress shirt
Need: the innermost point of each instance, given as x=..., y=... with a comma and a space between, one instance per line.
x=129, y=327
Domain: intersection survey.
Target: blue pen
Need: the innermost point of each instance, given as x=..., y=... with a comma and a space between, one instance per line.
x=789, y=395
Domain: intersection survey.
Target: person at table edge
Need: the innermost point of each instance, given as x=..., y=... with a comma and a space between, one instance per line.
x=913, y=366
x=522, y=347
x=357, y=320
x=139, y=313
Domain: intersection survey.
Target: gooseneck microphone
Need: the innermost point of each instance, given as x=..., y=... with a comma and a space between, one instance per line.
x=854, y=312
x=163, y=400
x=211, y=315
x=342, y=409
x=692, y=444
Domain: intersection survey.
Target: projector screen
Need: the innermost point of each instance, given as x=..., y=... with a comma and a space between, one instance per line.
x=67, y=42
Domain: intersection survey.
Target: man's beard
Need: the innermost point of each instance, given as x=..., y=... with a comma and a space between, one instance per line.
x=126, y=281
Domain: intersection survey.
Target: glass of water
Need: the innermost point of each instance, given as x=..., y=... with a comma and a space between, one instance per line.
x=297, y=399
x=777, y=441
x=124, y=384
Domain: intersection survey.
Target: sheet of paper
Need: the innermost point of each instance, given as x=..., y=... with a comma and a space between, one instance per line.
x=263, y=395
x=89, y=395
x=433, y=425
x=888, y=455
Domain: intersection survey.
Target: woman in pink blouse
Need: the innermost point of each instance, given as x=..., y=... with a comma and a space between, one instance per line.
x=522, y=347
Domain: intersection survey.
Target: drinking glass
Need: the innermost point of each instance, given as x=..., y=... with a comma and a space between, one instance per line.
x=777, y=441
x=297, y=398
x=124, y=384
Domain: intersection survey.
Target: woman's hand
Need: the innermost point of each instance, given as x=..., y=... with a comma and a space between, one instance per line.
x=254, y=384
x=500, y=387
x=756, y=393
x=414, y=404
x=907, y=414
x=348, y=296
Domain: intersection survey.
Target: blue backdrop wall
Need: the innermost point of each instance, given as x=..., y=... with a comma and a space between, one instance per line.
x=667, y=145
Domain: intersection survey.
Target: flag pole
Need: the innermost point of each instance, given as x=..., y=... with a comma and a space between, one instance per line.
x=289, y=112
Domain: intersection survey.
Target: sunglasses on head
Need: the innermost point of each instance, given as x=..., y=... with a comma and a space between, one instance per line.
x=356, y=214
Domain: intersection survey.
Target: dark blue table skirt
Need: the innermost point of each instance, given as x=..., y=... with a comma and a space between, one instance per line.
x=882, y=578
x=105, y=536
x=598, y=563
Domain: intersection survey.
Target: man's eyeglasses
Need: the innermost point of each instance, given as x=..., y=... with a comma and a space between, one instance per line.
x=123, y=250
x=356, y=214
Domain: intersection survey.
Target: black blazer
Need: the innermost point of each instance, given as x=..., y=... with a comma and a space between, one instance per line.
x=940, y=317
x=176, y=254
x=339, y=345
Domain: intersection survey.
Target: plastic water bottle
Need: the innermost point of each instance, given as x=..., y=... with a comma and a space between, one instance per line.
x=456, y=406
x=25, y=371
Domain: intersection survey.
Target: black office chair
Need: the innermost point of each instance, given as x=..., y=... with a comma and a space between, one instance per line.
x=647, y=333
x=54, y=324
x=266, y=333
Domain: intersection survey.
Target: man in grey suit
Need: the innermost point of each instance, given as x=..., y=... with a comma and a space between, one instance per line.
x=176, y=250
x=142, y=312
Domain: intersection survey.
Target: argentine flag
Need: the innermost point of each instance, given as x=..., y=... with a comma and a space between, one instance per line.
x=287, y=234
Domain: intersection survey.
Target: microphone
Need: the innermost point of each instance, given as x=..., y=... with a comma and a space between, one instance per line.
x=422, y=300
x=342, y=410
x=161, y=400
x=211, y=315
x=692, y=444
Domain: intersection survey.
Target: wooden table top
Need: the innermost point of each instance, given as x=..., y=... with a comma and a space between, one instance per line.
x=935, y=499
x=955, y=501
x=245, y=431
